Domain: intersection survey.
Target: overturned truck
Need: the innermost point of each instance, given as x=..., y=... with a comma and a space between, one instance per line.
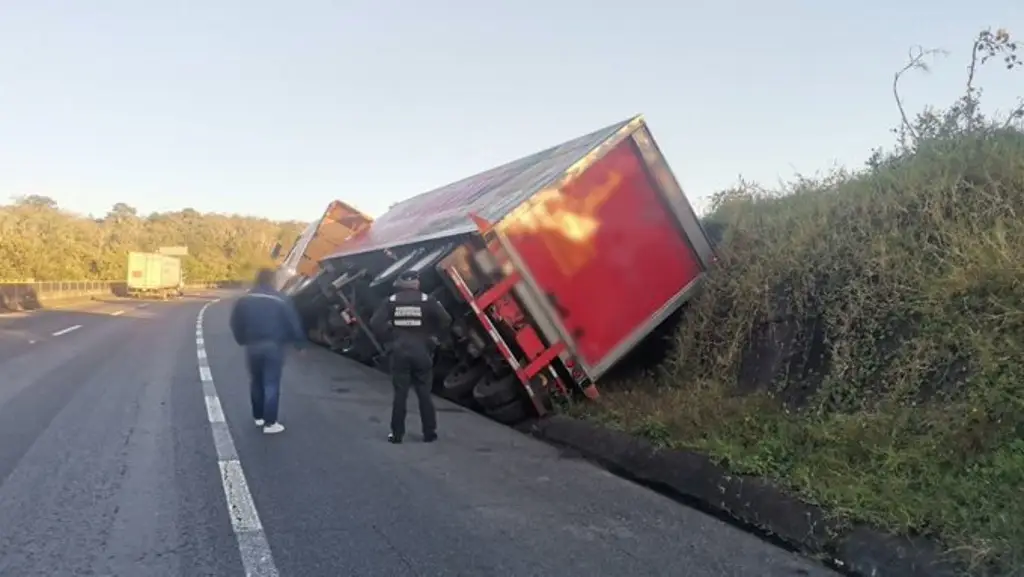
x=338, y=223
x=554, y=267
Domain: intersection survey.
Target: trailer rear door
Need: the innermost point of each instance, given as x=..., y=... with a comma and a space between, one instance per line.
x=608, y=253
x=339, y=222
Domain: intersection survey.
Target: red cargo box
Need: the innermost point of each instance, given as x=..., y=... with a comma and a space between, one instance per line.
x=611, y=249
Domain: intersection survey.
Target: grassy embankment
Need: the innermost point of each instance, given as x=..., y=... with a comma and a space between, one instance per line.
x=863, y=342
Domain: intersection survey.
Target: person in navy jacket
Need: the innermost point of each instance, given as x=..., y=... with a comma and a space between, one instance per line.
x=264, y=321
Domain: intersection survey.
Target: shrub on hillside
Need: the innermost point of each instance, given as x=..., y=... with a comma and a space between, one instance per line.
x=863, y=338
x=861, y=288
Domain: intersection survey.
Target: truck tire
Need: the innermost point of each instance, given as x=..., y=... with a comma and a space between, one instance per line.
x=492, y=393
x=511, y=413
x=317, y=333
x=460, y=381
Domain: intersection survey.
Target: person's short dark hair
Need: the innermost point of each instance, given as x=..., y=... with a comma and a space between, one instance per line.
x=408, y=280
x=265, y=277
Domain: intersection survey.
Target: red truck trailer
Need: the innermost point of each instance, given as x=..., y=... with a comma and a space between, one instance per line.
x=554, y=266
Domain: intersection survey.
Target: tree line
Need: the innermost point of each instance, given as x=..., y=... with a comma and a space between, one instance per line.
x=40, y=241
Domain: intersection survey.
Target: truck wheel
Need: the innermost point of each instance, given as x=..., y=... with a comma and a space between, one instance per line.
x=460, y=381
x=442, y=367
x=316, y=333
x=511, y=413
x=495, y=393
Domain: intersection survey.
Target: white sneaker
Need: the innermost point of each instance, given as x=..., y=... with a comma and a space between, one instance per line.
x=272, y=429
x=259, y=422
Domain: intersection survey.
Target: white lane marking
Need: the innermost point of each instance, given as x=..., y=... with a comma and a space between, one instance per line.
x=245, y=520
x=116, y=313
x=244, y=517
x=222, y=441
x=67, y=330
x=214, y=412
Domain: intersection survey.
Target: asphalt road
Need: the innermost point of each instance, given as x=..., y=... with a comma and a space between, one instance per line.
x=127, y=449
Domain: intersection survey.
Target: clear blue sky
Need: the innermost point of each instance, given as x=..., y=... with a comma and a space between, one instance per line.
x=274, y=108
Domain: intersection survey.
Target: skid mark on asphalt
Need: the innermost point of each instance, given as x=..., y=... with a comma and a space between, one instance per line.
x=245, y=520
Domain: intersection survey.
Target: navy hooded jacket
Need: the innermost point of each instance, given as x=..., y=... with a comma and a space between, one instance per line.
x=266, y=315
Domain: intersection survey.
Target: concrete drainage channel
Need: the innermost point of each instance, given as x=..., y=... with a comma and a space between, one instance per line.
x=533, y=427
x=536, y=428
x=749, y=504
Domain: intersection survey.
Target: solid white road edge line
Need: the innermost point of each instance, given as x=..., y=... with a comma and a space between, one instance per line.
x=67, y=330
x=252, y=541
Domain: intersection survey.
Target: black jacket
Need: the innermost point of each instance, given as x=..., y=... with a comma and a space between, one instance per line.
x=436, y=320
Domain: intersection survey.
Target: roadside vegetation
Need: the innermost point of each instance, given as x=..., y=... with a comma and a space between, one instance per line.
x=41, y=242
x=862, y=342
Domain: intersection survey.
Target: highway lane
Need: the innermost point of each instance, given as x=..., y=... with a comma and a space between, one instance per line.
x=21, y=330
x=335, y=499
x=106, y=464
x=109, y=466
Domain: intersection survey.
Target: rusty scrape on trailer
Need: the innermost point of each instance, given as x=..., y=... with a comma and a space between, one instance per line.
x=490, y=195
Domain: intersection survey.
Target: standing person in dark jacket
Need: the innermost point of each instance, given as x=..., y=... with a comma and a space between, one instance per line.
x=264, y=321
x=411, y=322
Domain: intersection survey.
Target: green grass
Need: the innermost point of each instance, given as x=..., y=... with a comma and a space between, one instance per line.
x=862, y=343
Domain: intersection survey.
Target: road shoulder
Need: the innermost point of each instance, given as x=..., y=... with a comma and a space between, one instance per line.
x=484, y=500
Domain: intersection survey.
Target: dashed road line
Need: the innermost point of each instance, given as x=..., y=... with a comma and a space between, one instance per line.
x=66, y=331
x=245, y=520
x=117, y=313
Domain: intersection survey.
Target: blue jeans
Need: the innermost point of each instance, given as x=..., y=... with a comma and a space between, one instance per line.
x=266, y=362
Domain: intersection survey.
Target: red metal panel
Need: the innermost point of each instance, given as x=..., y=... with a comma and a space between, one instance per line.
x=605, y=249
x=491, y=195
x=503, y=348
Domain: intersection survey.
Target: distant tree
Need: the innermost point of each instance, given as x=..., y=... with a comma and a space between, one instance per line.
x=40, y=241
x=36, y=200
x=122, y=211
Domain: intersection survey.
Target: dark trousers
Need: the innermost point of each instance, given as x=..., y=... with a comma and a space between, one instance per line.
x=266, y=362
x=412, y=367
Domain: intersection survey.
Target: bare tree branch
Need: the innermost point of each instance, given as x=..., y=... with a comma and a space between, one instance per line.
x=976, y=48
x=1016, y=114
x=989, y=45
x=917, y=57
